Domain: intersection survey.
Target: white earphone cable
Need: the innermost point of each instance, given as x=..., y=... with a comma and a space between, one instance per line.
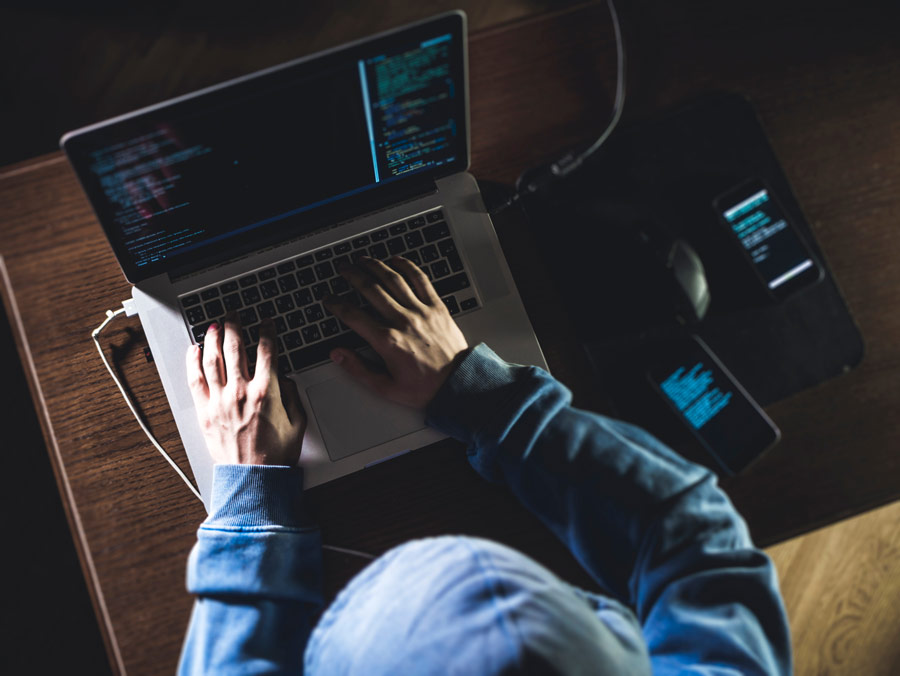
x=110, y=315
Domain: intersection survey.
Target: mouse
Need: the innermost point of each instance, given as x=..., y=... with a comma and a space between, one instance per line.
x=623, y=268
x=682, y=268
x=690, y=277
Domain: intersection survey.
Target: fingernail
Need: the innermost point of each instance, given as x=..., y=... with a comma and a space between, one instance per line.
x=213, y=327
x=337, y=357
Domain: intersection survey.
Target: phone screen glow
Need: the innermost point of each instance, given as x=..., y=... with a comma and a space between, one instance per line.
x=770, y=242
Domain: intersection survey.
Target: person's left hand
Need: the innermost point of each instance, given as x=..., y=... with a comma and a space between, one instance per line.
x=258, y=421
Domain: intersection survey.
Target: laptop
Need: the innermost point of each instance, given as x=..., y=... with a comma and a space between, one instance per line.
x=245, y=196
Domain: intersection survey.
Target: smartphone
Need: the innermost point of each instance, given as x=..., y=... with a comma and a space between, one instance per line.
x=770, y=242
x=713, y=406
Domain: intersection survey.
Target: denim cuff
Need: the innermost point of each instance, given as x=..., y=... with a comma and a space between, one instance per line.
x=255, y=496
x=475, y=394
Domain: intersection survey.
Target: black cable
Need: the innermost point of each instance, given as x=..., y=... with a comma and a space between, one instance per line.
x=571, y=161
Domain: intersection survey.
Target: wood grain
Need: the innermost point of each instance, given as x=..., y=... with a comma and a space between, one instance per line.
x=841, y=586
x=826, y=92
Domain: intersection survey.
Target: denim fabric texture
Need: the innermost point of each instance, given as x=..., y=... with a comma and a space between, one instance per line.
x=685, y=589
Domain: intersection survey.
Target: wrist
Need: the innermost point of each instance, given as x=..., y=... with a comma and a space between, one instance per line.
x=444, y=374
x=454, y=363
x=477, y=393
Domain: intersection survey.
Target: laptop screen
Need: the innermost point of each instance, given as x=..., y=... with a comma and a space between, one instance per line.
x=280, y=152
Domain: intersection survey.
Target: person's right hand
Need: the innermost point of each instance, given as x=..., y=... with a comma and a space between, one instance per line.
x=414, y=335
x=249, y=421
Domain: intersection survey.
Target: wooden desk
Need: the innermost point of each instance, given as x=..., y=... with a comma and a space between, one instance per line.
x=826, y=88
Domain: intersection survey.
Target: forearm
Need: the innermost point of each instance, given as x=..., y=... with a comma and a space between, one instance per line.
x=256, y=570
x=653, y=529
x=596, y=482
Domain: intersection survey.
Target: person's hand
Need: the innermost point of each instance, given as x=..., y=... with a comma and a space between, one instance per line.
x=258, y=421
x=414, y=335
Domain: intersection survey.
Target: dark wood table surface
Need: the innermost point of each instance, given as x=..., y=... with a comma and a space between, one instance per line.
x=826, y=83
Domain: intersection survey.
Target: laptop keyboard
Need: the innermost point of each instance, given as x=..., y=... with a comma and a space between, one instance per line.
x=290, y=292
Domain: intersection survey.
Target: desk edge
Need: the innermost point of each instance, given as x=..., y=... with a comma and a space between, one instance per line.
x=33, y=164
x=62, y=482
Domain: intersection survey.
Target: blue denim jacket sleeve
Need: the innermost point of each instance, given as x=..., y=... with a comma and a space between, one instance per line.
x=653, y=529
x=256, y=570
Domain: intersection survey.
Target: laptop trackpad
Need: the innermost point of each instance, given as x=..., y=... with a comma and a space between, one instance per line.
x=351, y=418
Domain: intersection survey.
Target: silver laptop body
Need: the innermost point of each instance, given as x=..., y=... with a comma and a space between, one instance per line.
x=349, y=428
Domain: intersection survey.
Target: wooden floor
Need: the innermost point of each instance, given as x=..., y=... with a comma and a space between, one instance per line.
x=841, y=586
x=62, y=68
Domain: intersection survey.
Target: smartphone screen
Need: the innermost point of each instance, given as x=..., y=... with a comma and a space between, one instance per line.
x=712, y=405
x=769, y=240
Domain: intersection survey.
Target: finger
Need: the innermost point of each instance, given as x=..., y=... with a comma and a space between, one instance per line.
x=233, y=350
x=367, y=284
x=266, y=354
x=395, y=283
x=417, y=279
x=290, y=399
x=213, y=364
x=357, y=319
x=353, y=364
x=196, y=379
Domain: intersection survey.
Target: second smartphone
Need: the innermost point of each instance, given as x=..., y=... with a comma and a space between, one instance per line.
x=712, y=404
x=770, y=242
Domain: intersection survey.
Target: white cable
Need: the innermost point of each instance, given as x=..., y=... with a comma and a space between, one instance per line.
x=110, y=315
x=352, y=552
x=128, y=308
